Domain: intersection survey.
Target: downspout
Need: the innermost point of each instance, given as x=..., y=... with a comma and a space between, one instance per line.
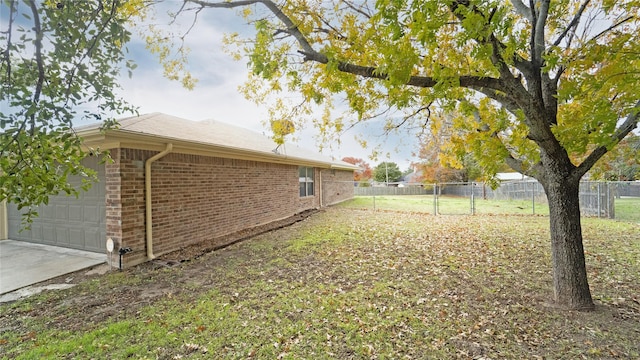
x=147, y=188
x=321, y=185
x=4, y=225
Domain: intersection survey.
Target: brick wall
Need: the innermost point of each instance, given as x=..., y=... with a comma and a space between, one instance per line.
x=337, y=186
x=197, y=198
x=126, y=203
x=113, y=208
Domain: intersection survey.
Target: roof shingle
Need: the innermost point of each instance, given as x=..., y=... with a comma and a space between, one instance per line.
x=218, y=134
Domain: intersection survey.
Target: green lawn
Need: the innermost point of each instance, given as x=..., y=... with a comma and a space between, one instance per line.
x=447, y=205
x=627, y=209
x=349, y=284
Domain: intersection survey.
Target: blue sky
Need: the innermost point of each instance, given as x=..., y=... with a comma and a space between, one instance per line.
x=216, y=95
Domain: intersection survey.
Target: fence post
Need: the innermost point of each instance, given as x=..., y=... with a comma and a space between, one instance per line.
x=598, y=203
x=611, y=201
x=473, y=204
x=435, y=199
x=533, y=198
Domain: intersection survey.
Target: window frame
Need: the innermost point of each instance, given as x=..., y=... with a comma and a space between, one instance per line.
x=306, y=181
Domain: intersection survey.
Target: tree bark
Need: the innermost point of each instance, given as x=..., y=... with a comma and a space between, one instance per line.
x=570, y=285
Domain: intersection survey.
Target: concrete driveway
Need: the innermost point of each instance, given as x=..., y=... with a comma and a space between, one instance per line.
x=23, y=264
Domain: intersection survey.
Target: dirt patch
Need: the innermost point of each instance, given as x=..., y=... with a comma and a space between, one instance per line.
x=195, y=251
x=111, y=297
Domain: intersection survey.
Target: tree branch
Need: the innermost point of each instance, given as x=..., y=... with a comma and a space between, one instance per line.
x=356, y=9
x=409, y=116
x=310, y=54
x=562, y=69
x=627, y=126
x=510, y=104
x=515, y=164
x=573, y=23
x=193, y=23
x=291, y=26
x=7, y=52
x=508, y=83
x=538, y=33
x=534, y=21
x=611, y=27
x=39, y=63
x=522, y=9
x=92, y=46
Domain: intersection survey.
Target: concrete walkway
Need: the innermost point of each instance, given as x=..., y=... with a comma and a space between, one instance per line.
x=23, y=264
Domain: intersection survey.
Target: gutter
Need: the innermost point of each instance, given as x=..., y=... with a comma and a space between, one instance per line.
x=147, y=189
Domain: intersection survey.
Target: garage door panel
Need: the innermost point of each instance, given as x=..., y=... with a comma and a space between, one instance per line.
x=76, y=237
x=14, y=226
x=91, y=213
x=26, y=233
x=61, y=212
x=62, y=236
x=68, y=221
x=48, y=234
x=36, y=231
x=75, y=212
x=13, y=214
x=93, y=192
x=46, y=212
x=94, y=240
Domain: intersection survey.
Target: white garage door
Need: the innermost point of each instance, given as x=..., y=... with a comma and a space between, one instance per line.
x=68, y=221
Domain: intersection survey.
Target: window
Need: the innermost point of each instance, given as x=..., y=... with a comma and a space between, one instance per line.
x=305, y=176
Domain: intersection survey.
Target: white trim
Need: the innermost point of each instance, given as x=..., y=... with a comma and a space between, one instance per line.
x=4, y=224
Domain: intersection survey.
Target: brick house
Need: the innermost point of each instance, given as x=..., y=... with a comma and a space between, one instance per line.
x=174, y=182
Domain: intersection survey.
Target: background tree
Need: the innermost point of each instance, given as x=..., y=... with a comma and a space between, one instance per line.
x=434, y=171
x=436, y=167
x=365, y=172
x=57, y=57
x=620, y=164
x=437, y=163
x=547, y=87
x=408, y=171
x=387, y=172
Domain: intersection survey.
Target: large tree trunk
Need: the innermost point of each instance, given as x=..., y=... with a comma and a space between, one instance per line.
x=570, y=285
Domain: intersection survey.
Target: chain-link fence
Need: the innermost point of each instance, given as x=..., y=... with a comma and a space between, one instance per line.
x=597, y=199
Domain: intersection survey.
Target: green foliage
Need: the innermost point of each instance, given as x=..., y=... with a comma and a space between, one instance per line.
x=387, y=172
x=58, y=58
x=509, y=101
